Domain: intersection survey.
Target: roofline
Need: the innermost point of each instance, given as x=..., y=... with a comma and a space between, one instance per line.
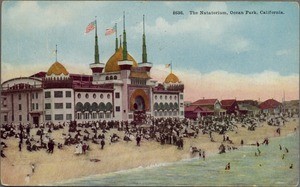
x=34, y=78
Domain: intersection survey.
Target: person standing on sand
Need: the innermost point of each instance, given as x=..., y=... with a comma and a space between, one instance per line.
x=138, y=139
x=20, y=146
x=32, y=168
x=102, y=143
x=27, y=178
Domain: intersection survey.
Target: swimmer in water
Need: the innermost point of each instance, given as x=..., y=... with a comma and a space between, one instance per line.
x=227, y=166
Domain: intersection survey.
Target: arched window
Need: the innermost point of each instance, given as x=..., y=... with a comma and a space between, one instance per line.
x=115, y=77
x=79, y=106
x=111, y=77
x=106, y=78
x=101, y=96
x=79, y=96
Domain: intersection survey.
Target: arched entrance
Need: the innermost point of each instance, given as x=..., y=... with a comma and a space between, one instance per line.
x=139, y=104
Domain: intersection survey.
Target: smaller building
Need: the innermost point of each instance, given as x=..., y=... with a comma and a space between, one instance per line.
x=271, y=106
x=231, y=106
x=291, y=107
x=249, y=107
x=209, y=106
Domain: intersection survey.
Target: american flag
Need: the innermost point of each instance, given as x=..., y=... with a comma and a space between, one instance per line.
x=110, y=31
x=90, y=27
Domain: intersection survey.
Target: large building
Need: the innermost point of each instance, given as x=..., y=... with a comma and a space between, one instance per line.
x=120, y=89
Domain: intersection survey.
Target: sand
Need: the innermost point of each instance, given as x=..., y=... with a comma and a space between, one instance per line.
x=63, y=164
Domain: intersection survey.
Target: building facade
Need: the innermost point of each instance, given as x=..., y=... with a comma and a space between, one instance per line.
x=120, y=89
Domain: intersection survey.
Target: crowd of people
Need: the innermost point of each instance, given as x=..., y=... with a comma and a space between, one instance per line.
x=171, y=131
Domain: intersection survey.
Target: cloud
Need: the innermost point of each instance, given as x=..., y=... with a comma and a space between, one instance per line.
x=216, y=84
x=31, y=15
x=283, y=52
x=216, y=30
x=226, y=85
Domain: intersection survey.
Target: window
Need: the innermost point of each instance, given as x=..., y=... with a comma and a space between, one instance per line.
x=94, y=96
x=47, y=105
x=156, y=97
x=86, y=115
x=36, y=95
x=101, y=96
x=58, y=105
x=47, y=94
x=101, y=115
x=94, y=116
x=181, y=113
x=36, y=106
x=108, y=96
x=68, y=105
x=117, y=108
x=20, y=117
x=111, y=77
x=117, y=95
x=20, y=96
x=32, y=96
x=115, y=77
x=79, y=96
x=160, y=97
x=166, y=97
x=32, y=106
x=175, y=97
x=58, y=94
x=170, y=97
x=58, y=116
x=5, y=117
x=78, y=115
x=68, y=93
x=68, y=116
x=106, y=78
x=181, y=96
x=107, y=115
x=48, y=117
x=87, y=96
x=20, y=107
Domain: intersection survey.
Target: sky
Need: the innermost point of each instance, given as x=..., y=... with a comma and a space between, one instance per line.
x=215, y=56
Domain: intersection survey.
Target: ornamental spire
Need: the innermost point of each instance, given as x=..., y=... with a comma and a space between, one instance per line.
x=96, y=43
x=120, y=40
x=144, y=54
x=116, y=37
x=124, y=39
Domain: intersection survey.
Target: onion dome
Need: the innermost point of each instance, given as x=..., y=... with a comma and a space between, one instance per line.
x=171, y=78
x=112, y=63
x=57, y=69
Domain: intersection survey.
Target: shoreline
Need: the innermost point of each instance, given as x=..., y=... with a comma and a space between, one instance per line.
x=213, y=153
x=64, y=166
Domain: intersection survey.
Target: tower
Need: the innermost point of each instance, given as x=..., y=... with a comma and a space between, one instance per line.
x=96, y=67
x=147, y=65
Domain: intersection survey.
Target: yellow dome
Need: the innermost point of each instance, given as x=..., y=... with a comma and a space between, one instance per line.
x=112, y=63
x=171, y=78
x=57, y=69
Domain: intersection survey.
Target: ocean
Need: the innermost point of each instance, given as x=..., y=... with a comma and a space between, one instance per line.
x=268, y=169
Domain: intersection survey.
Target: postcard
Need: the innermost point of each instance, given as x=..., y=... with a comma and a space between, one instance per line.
x=149, y=93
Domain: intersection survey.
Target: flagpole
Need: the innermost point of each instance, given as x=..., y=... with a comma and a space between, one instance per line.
x=96, y=25
x=171, y=67
x=56, y=53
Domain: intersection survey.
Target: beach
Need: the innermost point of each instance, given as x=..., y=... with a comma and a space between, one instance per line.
x=64, y=164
